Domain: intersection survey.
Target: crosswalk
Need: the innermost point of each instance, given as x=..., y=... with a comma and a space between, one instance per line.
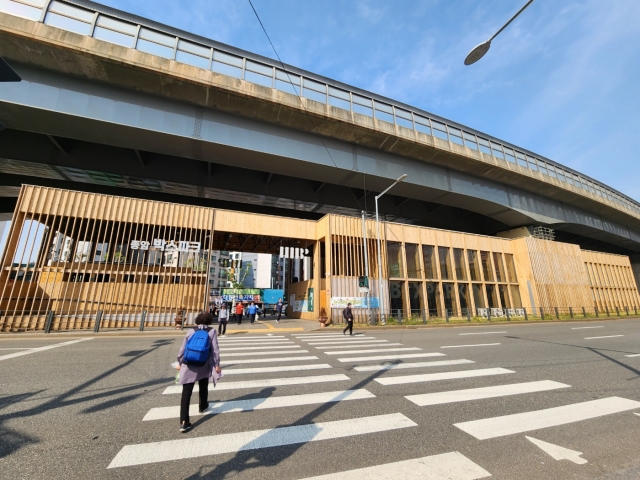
x=305, y=360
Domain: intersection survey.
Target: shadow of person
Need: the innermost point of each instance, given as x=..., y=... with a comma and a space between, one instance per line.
x=245, y=403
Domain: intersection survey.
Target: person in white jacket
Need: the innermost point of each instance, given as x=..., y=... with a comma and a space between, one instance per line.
x=223, y=318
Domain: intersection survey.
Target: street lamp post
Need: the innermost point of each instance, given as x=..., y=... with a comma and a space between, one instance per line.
x=380, y=302
x=480, y=50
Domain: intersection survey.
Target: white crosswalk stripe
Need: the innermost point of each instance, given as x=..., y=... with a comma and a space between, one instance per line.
x=378, y=350
x=480, y=333
x=350, y=343
x=438, y=363
x=269, y=382
x=474, y=345
x=267, y=360
x=446, y=466
x=431, y=377
x=274, y=352
x=484, y=392
x=336, y=341
x=360, y=345
x=391, y=357
x=271, y=347
x=280, y=368
x=234, y=442
x=261, y=404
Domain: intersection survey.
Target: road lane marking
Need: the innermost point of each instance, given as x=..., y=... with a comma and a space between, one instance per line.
x=271, y=347
x=363, y=345
x=634, y=355
x=17, y=348
x=550, y=417
x=480, y=333
x=474, y=345
x=557, y=452
x=283, y=368
x=445, y=466
x=146, y=453
x=470, y=394
x=377, y=350
x=323, y=335
x=267, y=360
x=42, y=349
x=391, y=357
x=257, y=341
x=439, y=363
x=606, y=336
x=276, y=352
x=317, y=341
x=348, y=342
x=584, y=328
x=431, y=377
x=260, y=404
x=269, y=382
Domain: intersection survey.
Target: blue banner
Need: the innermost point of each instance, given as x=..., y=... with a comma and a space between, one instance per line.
x=271, y=295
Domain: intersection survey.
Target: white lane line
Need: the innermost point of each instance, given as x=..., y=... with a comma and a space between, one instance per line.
x=17, y=348
x=283, y=344
x=634, y=355
x=272, y=347
x=260, y=404
x=348, y=342
x=194, y=447
x=431, y=377
x=550, y=417
x=269, y=382
x=283, y=368
x=41, y=349
x=265, y=341
x=376, y=350
x=606, y=336
x=277, y=352
x=480, y=333
x=391, y=357
x=439, y=363
x=318, y=334
x=337, y=339
x=474, y=345
x=439, y=398
x=267, y=360
x=445, y=466
x=262, y=337
x=584, y=328
x=363, y=345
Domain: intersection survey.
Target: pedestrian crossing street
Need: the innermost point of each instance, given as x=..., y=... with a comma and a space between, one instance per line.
x=311, y=354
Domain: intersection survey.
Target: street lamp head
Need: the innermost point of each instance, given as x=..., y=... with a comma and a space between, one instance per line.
x=402, y=177
x=477, y=53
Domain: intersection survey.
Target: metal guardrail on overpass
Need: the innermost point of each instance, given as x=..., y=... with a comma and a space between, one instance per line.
x=104, y=23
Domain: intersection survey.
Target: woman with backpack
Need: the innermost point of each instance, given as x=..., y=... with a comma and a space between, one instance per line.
x=199, y=361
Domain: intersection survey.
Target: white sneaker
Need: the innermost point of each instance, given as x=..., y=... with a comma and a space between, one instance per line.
x=223, y=335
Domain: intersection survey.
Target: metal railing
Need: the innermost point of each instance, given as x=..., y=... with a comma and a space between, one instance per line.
x=104, y=23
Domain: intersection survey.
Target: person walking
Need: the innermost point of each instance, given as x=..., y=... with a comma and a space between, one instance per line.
x=279, y=306
x=198, y=361
x=251, y=311
x=347, y=314
x=223, y=318
x=239, y=311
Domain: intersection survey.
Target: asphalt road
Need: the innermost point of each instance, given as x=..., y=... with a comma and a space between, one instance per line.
x=76, y=410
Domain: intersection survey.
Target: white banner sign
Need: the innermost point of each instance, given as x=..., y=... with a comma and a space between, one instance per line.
x=164, y=246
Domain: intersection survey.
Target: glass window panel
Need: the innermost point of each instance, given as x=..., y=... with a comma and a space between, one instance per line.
x=511, y=268
x=429, y=261
x=113, y=37
x=532, y=163
x=396, y=298
x=225, y=69
x=456, y=139
x=226, y=58
x=384, y=116
x=423, y=128
x=459, y=263
x=362, y=100
x=71, y=11
x=334, y=92
x=313, y=95
x=449, y=294
x=154, y=48
x=194, y=48
x=257, y=78
x=485, y=260
x=259, y=68
x=474, y=269
x=403, y=114
x=157, y=37
x=484, y=146
x=287, y=87
x=438, y=126
x=416, y=302
x=516, y=300
x=542, y=167
x=510, y=158
x=552, y=171
x=497, y=262
x=468, y=136
x=455, y=131
x=117, y=25
x=413, y=261
x=433, y=298
x=464, y=297
x=492, y=298
x=191, y=59
x=288, y=77
x=562, y=177
x=422, y=120
x=496, y=150
x=340, y=103
x=383, y=107
x=20, y=10
x=504, y=296
x=35, y=3
x=440, y=134
x=67, y=23
x=319, y=87
x=445, y=263
x=394, y=260
x=404, y=123
x=362, y=110
x=483, y=142
x=478, y=296
x=472, y=145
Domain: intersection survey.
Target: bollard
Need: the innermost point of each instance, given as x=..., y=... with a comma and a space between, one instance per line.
x=597, y=313
x=617, y=311
x=47, y=325
x=541, y=313
x=488, y=314
x=468, y=315
x=557, y=314
x=526, y=316
x=626, y=309
x=508, y=315
x=584, y=313
x=571, y=312
x=446, y=314
x=606, y=309
x=142, y=320
x=96, y=327
x=424, y=317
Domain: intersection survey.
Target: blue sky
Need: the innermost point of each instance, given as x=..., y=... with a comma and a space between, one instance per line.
x=562, y=80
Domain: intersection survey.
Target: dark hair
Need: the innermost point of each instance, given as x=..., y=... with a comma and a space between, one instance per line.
x=204, y=318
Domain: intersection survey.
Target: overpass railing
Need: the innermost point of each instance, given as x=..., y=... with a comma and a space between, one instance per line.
x=104, y=23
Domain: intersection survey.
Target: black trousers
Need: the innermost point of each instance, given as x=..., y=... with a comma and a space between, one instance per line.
x=222, y=327
x=252, y=317
x=279, y=314
x=187, y=390
x=239, y=318
x=349, y=327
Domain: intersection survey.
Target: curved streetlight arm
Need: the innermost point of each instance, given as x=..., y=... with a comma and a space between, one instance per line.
x=510, y=20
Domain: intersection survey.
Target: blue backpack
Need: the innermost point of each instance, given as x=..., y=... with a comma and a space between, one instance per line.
x=197, y=350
